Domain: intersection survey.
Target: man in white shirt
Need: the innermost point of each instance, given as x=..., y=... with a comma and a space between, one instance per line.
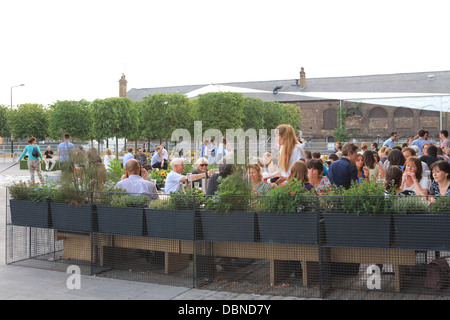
x=175, y=179
x=135, y=184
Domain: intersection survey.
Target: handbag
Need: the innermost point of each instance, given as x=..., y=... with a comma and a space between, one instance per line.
x=438, y=274
x=35, y=153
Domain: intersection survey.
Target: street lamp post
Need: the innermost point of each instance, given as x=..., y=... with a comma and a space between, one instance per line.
x=12, y=140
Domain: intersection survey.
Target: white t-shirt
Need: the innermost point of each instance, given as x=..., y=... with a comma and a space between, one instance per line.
x=424, y=184
x=297, y=154
x=173, y=182
x=107, y=160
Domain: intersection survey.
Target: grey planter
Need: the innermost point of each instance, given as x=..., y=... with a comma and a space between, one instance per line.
x=288, y=228
x=422, y=231
x=30, y=214
x=120, y=221
x=228, y=227
x=359, y=231
x=170, y=224
x=72, y=218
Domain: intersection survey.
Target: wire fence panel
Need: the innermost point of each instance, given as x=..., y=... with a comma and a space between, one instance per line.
x=343, y=247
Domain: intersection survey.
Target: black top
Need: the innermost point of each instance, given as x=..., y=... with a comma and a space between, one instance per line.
x=48, y=153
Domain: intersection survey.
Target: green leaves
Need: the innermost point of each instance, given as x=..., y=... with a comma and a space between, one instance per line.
x=28, y=120
x=72, y=117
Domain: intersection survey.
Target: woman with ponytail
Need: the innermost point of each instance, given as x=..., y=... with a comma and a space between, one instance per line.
x=290, y=151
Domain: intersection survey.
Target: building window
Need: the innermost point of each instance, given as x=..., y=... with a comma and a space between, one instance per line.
x=330, y=119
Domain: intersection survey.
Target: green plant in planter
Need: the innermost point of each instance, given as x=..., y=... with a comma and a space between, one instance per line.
x=410, y=205
x=440, y=206
x=21, y=190
x=129, y=200
x=115, y=171
x=290, y=198
x=233, y=193
x=187, y=199
x=367, y=197
x=159, y=204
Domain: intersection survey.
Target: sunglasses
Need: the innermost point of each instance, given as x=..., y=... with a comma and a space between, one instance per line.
x=203, y=165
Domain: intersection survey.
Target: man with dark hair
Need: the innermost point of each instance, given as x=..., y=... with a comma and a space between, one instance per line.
x=127, y=156
x=420, y=141
x=343, y=171
x=431, y=155
x=444, y=137
x=65, y=152
x=390, y=142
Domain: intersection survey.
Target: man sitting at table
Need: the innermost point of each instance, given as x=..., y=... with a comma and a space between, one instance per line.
x=135, y=184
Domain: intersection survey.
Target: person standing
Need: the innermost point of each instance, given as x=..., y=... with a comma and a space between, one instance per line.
x=49, y=159
x=108, y=158
x=65, y=153
x=212, y=153
x=204, y=151
x=420, y=141
x=34, y=154
x=444, y=138
x=390, y=142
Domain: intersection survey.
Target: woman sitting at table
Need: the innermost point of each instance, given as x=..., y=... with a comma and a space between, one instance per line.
x=299, y=171
x=412, y=176
x=441, y=184
x=255, y=176
x=393, y=182
x=316, y=177
x=201, y=166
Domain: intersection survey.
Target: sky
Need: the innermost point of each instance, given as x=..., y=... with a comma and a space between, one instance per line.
x=73, y=50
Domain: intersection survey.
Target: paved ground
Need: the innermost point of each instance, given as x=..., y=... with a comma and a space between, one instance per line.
x=21, y=283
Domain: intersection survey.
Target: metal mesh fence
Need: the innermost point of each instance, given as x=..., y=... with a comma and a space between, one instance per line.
x=343, y=247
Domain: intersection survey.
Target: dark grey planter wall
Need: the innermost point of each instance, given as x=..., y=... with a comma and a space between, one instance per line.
x=422, y=231
x=72, y=218
x=288, y=228
x=170, y=224
x=120, y=221
x=30, y=214
x=228, y=227
x=360, y=231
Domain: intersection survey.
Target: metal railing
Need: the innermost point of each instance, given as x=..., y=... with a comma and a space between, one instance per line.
x=331, y=246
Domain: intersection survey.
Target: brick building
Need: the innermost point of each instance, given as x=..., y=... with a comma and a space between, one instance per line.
x=375, y=105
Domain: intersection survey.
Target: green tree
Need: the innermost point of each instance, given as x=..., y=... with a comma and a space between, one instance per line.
x=4, y=130
x=114, y=117
x=253, y=114
x=72, y=117
x=220, y=110
x=162, y=113
x=28, y=120
x=291, y=114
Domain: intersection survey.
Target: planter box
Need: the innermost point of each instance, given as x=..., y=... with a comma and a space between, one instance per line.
x=170, y=224
x=359, y=231
x=120, y=221
x=289, y=228
x=422, y=231
x=228, y=227
x=30, y=214
x=67, y=217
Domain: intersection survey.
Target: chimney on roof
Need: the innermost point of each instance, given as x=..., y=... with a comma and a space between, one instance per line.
x=122, y=86
x=302, y=78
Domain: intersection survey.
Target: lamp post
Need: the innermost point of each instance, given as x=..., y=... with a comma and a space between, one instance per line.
x=12, y=140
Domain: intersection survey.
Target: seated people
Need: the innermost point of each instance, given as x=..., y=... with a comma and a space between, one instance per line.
x=175, y=179
x=135, y=184
x=158, y=161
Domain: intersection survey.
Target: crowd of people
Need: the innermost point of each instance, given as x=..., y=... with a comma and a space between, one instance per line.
x=417, y=167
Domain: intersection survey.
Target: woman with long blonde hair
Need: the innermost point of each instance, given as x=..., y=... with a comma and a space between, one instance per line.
x=290, y=151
